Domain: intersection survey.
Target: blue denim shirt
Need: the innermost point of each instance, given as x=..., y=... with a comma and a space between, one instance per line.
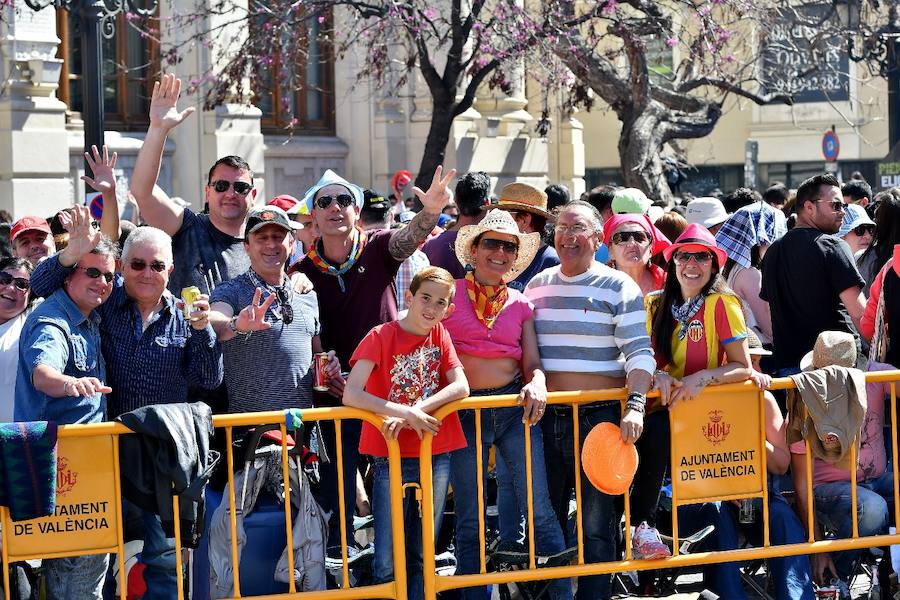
x=155, y=365
x=56, y=334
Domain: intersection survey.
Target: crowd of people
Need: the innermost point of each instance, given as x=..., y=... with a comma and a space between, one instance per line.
x=527, y=293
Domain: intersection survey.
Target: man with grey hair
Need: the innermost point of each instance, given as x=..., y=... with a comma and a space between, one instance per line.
x=591, y=330
x=152, y=351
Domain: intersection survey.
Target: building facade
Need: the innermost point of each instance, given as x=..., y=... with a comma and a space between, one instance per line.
x=362, y=133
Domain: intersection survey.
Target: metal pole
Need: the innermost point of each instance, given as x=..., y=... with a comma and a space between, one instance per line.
x=893, y=84
x=90, y=13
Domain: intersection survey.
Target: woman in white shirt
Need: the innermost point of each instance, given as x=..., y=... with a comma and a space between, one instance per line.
x=15, y=305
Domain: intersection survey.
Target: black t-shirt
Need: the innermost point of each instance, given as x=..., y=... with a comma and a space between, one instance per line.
x=803, y=275
x=205, y=256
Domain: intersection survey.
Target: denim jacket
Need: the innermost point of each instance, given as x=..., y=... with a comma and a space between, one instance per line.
x=56, y=334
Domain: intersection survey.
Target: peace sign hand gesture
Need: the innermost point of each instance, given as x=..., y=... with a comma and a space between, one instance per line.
x=438, y=195
x=253, y=317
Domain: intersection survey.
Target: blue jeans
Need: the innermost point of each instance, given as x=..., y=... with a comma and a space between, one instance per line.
x=791, y=574
x=159, y=556
x=501, y=427
x=510, y=516
x=381, y=509
x=833, y=505
x=76, y=577
x=599, y=518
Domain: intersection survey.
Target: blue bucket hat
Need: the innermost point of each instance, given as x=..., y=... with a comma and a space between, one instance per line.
x=854, y=216
x=329, y=177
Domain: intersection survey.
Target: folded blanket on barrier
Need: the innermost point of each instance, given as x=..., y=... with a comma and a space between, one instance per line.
x=28, y=469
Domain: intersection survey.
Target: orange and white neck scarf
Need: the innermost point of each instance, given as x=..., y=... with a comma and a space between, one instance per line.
x=487, y=300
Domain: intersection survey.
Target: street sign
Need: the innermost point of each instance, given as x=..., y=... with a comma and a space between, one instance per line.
x=751, y=164
x=831, y=146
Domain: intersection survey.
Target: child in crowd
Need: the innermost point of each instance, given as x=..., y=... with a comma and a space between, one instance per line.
x=406, y=370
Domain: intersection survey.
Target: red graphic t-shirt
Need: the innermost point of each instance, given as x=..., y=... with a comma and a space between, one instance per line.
x=408, y=368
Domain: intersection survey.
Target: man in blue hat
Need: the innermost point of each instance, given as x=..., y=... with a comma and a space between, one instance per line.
x=353, y=273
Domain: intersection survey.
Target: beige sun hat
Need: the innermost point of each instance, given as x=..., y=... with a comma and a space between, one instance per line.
x=837, y=348
x=498, y=221
x=522, y=197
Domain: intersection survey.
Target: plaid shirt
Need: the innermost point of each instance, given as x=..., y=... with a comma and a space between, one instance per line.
x=408, y=270
x=749, y=226
x=144, y=366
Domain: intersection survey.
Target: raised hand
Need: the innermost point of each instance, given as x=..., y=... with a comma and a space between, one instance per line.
x=438, y=195
x=83, y=235
x=253, y=317
x=164, y=111
x=102, y=169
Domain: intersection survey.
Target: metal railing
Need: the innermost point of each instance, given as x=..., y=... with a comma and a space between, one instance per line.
x=437, y=583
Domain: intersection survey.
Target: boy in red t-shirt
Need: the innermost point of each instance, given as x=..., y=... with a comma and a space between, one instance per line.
x=405, y=370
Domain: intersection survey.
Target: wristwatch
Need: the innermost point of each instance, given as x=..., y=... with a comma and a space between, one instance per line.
x=232, y=325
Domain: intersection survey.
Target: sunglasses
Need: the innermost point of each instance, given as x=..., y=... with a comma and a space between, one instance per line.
x=493, y=244
x=623, y=237
x=20, y=283
x=240, y=187
x=862, y=230
x=836, y=205
x=287, y=311
x=139, y=265
x=343, y=200
x=702, y=258
x=94, y=273
x=577, y=229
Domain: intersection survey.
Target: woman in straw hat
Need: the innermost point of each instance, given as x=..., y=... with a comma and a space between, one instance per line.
x=493, y=331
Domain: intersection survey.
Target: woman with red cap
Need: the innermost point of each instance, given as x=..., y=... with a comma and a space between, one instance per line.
x=696, y=323
x=632, y=241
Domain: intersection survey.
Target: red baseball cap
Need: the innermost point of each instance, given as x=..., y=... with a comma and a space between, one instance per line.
x=29, y=224
x=284, y=201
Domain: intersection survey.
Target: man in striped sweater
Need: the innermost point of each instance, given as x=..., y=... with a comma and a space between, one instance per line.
x=592, y=335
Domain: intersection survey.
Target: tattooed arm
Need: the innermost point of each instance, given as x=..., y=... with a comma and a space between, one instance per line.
x=405, y=241
x=735, y=369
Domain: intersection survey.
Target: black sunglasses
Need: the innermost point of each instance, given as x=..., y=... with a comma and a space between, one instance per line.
x=343, y=200
x=240, y=187
x=287, y=311
x=863, y=229
x=494, y=244
x=702, y=258
x=623, y=237
x=137, y=264
x=94, y=273
x=836, y=205
x=20, y=283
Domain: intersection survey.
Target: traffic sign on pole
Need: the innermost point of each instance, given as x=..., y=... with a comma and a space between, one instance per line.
x=831, y=146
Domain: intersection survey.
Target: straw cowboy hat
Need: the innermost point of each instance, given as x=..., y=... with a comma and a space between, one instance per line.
x=498, y=221
x=836, y=348
x=521, y=197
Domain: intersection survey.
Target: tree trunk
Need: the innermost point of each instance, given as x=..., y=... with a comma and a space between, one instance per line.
x=435, y=145
x=640, y=144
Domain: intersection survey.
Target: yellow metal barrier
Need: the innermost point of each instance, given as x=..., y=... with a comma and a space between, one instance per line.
x=106, y=436
x=755, y=484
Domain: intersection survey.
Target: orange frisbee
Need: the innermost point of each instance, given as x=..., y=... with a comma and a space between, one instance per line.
x=607, y=460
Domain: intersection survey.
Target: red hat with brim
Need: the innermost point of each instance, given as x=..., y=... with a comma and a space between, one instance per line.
x=608, y=461
x=696, y=236
x=29, y=224
x=660, y=241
